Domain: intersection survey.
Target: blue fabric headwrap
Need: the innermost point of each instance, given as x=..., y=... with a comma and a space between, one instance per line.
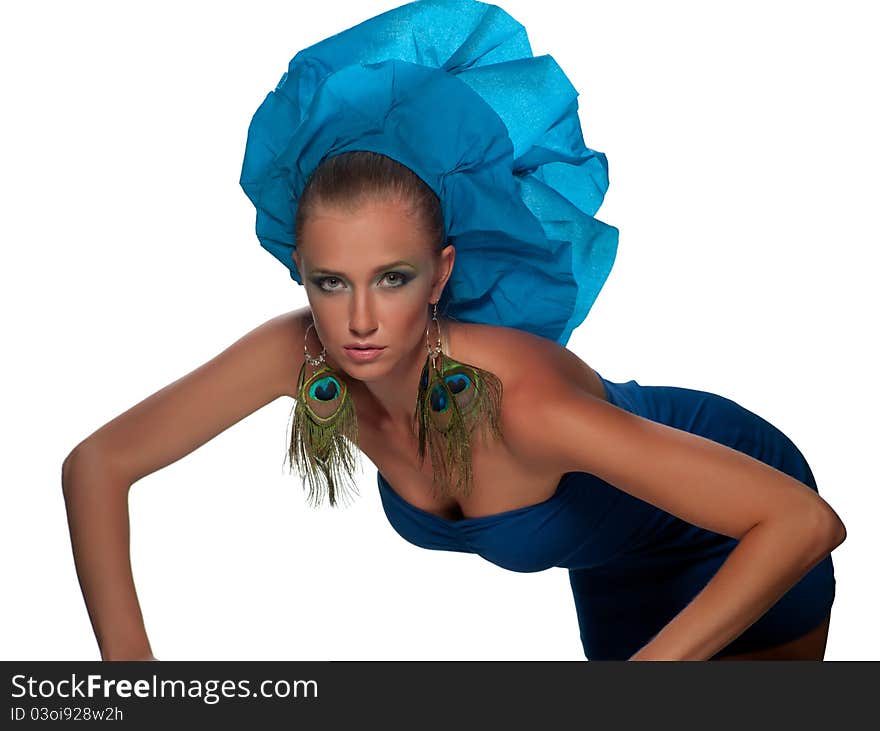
x=450, y=89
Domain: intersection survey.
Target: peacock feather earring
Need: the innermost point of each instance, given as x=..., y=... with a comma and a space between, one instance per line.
x=454, y=400
x=324, y=438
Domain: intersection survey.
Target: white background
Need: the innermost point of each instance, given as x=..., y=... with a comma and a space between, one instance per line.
x=743, y=155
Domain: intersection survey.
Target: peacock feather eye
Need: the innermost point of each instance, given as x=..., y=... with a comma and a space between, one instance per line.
x=325, y=395
x=463, y=384
x=439, y=401
x=458, y=382
x=324, y=389
x=423, y=381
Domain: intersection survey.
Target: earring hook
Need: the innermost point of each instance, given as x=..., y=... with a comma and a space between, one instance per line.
x=312, y=361
x=434, y=351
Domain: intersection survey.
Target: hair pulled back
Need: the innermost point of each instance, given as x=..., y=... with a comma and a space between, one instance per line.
x=352, y=178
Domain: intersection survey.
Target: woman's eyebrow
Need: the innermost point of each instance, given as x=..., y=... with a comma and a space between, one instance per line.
x=329, y=272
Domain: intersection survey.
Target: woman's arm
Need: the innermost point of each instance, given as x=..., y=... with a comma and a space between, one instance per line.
x=784, y=528
x=769, y=559
x=98, y=474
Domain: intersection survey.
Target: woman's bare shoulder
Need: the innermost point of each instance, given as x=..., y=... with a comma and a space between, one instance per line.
x=514, y=355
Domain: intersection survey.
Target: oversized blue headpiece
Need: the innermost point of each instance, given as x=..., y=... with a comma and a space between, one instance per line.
x=450, y=89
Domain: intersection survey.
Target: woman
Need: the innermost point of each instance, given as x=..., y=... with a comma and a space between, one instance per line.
x=422, y=207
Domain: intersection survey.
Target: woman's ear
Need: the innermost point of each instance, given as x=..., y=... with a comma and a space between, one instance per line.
x=444, y=271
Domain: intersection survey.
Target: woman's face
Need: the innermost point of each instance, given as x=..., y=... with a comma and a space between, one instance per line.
x=370, y=275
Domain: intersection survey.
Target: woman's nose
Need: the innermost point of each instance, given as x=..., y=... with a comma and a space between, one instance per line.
x=361, y=319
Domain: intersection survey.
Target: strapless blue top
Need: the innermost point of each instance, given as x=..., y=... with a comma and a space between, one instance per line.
x=579, y=526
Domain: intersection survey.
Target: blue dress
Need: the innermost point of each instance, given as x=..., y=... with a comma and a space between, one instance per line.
x=633, y=566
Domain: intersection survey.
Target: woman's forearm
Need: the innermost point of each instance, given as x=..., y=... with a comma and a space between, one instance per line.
x=769, y=559
x=97, y=515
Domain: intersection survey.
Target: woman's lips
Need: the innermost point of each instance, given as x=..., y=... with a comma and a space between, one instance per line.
x=361, y=356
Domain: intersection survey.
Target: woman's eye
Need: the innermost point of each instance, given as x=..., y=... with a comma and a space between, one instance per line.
x=398, y=280
x=324, y=280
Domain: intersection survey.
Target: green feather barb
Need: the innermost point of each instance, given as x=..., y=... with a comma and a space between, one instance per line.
x=455, y=401
x=324, y=439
